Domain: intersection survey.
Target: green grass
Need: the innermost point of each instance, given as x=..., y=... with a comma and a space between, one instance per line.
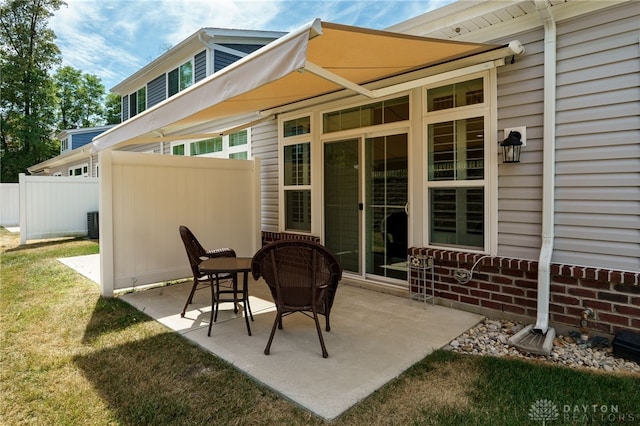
x=71, y=357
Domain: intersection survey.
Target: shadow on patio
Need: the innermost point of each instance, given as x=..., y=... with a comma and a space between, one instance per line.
x=373, y=338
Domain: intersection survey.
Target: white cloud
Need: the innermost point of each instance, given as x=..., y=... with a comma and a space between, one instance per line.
x=114, y=38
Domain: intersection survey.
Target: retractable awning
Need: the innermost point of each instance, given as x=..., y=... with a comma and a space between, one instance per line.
x=317, y=59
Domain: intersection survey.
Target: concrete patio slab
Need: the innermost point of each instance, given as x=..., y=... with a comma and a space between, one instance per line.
x=374, y=337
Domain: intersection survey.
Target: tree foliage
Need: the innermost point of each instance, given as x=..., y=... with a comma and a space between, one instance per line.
x=79, y=99
x=113, y=107
x=27, y=105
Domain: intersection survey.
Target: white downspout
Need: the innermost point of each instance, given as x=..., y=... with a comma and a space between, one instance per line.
x=548, y=178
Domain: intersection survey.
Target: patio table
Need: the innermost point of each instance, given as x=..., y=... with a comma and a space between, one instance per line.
x=233, y=266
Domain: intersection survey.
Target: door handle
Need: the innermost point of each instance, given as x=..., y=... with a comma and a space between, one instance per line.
x=360, y=206
x=406, y=208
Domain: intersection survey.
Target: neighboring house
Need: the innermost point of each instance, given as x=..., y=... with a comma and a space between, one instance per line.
x=381, y=144
x=206, y=51
x=75, y=157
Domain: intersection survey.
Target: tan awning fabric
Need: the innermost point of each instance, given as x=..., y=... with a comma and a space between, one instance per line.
x=317, y=59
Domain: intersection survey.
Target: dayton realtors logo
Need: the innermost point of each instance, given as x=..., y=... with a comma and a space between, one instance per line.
x=544, y=410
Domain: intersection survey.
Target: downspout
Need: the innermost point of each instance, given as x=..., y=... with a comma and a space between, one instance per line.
x=548, y=178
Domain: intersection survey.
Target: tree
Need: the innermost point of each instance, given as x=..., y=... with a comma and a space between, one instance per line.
x=27, y=105
x=113, y=108
x=79, y=99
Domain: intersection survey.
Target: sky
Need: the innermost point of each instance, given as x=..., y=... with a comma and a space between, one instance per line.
x=114, y=38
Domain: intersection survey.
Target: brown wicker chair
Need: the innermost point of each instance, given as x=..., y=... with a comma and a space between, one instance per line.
x=196, y=254
x=303, y=277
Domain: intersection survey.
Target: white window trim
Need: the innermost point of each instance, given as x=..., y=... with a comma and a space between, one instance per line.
x=488, y=110
x=82, y=167
x=295, y=140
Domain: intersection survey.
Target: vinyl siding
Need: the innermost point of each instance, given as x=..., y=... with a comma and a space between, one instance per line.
x=597, y=135
x=156, y=90
x=520, y=103
x=264, y=145
x=200, y=66
x=223, y=59
x=244, y=48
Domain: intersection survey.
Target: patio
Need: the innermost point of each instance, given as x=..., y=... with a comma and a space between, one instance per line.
x=374, y=337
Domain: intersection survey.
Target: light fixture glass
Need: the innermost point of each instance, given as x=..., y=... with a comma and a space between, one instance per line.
x=511, y=147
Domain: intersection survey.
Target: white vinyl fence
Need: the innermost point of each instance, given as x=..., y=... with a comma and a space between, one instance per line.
x=145, y=198
x=56, y=206
x=9, y=204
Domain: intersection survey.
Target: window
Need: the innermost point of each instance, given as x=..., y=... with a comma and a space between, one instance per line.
x=177, y=149
x=456, y=178
x=298, y=126
x=297, y=187
x=180, y=78
x=137, y=102
x=80, y=170
x=235, y=145
x=389, y=111
x=206, y=146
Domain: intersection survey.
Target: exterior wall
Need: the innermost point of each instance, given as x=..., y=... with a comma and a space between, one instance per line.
x=596, y=261
x=264, y=145
x=507, y=287
x=597, y=135
x=520, y=103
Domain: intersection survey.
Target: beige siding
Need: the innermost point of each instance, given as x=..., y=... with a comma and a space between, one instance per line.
x=264, y=145
x=597, y=134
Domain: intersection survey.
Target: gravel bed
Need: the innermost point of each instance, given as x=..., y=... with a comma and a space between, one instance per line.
x=490, y=338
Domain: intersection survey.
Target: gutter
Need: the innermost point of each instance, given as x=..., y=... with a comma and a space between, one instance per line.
x=548, y=178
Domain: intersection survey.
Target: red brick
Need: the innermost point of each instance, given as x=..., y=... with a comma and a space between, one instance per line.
x=501, y=280
x=594, y=284
x=533, y=294
x=502, y=297
x=613, y=297
x=627, y=310
x=635, y=323
x=603, y=275
x=563, y=319
x=613, y=319
x=449, y=296
x=459, y=289
x=591, y=273
x=629, y=289
x=630, y=278
x=603, y=327
x=526, y=284
x=615, y=277
x=556, y=308
x=441, y=286
x=531, y=275
x=563, y=279
x=469, y=300
x=582, y=292
x=567, y=300
x=513, y=273
x=557, y=288
x=598, y=305
x=513, y=290
x=479, y=293
x=489, y=287
x=491, y=305
x=525, y=302
x=514, y=309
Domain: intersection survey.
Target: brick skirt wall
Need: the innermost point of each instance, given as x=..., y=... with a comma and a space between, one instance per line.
x=508, y=287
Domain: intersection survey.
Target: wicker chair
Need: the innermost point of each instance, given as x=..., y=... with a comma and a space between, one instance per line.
x=303, y=277
x=196, y=254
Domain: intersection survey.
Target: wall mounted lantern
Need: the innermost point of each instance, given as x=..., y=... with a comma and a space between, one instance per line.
x=511, y=147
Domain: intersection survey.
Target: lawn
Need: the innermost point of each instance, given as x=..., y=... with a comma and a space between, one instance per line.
x=69, y=356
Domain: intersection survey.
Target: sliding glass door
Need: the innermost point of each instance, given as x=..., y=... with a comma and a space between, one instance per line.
x=365, y=200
